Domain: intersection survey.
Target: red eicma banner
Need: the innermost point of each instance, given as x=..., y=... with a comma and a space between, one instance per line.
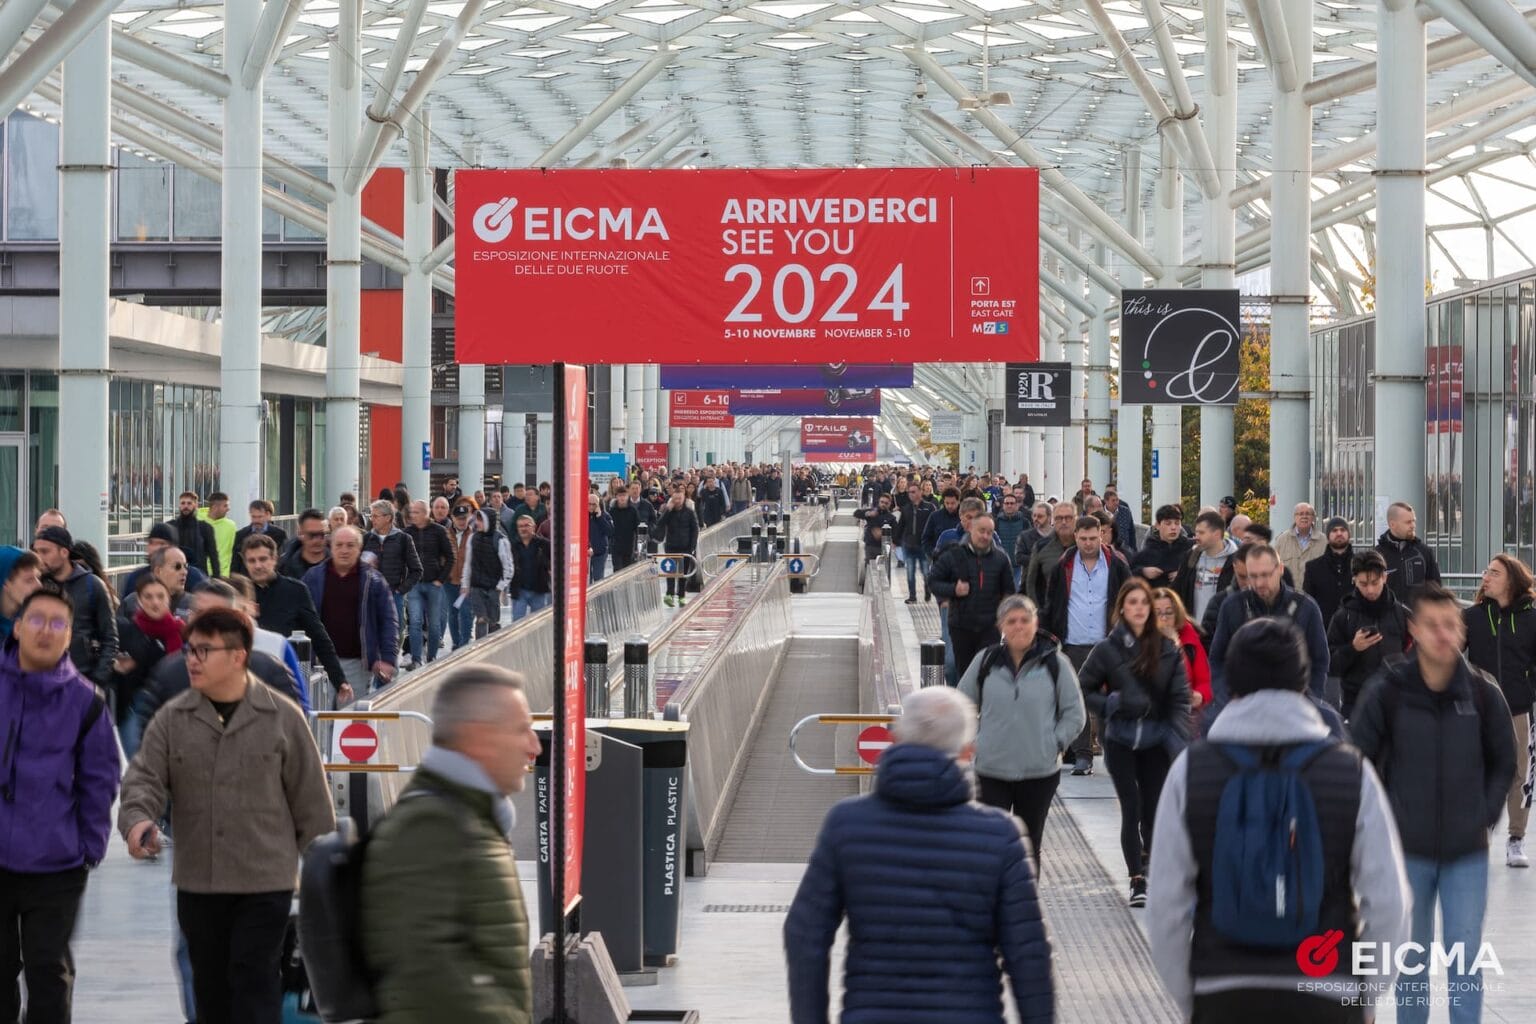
x=891, y=265
x=837, y=438
x=651, y=455
x=571, y=505
x=701, y=409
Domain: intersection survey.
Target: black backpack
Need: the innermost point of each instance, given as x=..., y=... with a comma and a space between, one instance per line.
x=331, y=917
x=996, y=655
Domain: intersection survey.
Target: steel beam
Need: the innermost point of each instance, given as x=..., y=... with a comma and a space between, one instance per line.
x=1130, y=436
x=1498, y=29
x=16, y=16
x=665, y=146
x=384, y=91
x=1168, y=235
x=37, y=60
x=604, y=155
x=1282, y=54
x=277, y=20
x=604, y=110
x=384, y=133
x=1113, y=234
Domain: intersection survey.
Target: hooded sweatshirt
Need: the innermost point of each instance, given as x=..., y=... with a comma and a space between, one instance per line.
x=58, y=777
x=8, y=556
x=1376, y=875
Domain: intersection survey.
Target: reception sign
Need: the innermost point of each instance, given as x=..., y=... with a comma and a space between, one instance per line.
x=892, y=265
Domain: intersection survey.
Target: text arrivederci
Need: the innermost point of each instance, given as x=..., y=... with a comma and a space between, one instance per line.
x=830, y=294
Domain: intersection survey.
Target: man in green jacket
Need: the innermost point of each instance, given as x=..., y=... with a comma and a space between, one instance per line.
x=443, y=922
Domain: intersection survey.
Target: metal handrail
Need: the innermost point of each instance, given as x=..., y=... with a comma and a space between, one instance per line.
x=834, y=720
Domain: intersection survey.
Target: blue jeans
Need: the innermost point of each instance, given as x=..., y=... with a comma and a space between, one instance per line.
x=461, y=619
x=526, y=602
x=426, y=602
x=950, y=675
x=1462, y=888
x=916, y=560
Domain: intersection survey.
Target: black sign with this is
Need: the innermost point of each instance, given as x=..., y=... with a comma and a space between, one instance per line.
x=1180, y=346
x=1038, y=395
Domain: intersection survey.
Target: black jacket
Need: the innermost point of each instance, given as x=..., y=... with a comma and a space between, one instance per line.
x=399, y=563
x=626, y=519
x=287, y=606
x=1327, y=579
x=531, y=565
x=196, y=540
x=914, y=519
x=434, y=549
x=1502, y=642
x=1158, y=553
x=1128, y=701
x=1058, y=592
x=236, y=563
x=93, y=639
x=293, y=565
x=873, y=519
x=1386, y=615
x=676, y=529
x=990, y=578
x=1184, y=586
x=1409, y=563
x=1446, y=759
x=169, y=679
x=712, y=504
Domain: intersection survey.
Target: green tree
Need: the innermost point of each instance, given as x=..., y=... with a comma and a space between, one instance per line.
x=948, y=453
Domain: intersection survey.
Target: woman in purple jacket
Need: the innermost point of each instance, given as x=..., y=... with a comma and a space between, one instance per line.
x=59, y=769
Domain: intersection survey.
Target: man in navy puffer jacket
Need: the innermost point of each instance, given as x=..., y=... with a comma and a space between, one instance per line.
x=967, y=893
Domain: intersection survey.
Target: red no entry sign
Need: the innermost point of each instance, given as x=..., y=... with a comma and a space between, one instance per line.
x=872, y=743
x=358, y=742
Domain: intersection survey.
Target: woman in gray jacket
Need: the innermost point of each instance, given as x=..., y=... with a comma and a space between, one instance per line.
x=1030, y=710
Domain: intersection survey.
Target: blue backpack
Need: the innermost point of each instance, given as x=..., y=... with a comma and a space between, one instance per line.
x=1267, y=858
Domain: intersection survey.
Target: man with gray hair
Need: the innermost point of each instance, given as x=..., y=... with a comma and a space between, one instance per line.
x=444, y=928
x=968, y=892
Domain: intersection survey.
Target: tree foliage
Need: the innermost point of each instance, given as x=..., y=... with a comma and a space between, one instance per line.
x=949, y=454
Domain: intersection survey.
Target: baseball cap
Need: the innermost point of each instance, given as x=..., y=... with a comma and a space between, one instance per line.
x=461, y=509
x=57, y=535
x=1228, y=502
x=162, y=531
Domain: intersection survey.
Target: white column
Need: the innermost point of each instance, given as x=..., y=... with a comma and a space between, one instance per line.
x=1400, y=329
x=1169, y=232
x=635, y=397
x=240, y=433
x=997, y=392
x=514, y=447
x=84, y=344
x=1099, y=464
x=544, y=442
x=1219, y=236
x=1290, y=271
x=472, y=427
x=344, y=258
x=1053, y=471
x=1129, y=435
x=416, y=313
x=616, y=423
x=1073, y=449
x=655, y=405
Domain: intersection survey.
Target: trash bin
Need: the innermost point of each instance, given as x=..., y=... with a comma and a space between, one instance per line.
x=664, y=754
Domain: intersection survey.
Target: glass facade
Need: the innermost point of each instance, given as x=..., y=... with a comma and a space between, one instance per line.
x=152, y=200
x=1480, y=418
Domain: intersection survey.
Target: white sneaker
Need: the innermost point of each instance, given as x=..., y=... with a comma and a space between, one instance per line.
x=1514, y=854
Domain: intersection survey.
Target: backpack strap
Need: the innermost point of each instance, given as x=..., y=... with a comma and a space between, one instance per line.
x=92, y=714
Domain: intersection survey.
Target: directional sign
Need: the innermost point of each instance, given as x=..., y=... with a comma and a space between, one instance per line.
x=797, y=566
x=358, y=742
x=872, y=743
x=669, y=565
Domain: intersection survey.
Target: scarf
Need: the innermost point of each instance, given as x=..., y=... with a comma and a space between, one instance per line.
x=166, y=630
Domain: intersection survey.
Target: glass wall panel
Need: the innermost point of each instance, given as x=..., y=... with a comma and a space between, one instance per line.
x=43, y=441
x=13, y=400
x=143, y=198
x=32, y=167
x=198, y=210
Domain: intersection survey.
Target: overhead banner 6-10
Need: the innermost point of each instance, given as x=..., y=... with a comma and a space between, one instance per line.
x=894, y=265
x=1179, y=346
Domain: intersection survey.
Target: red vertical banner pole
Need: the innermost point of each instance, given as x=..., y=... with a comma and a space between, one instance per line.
x=569, y=735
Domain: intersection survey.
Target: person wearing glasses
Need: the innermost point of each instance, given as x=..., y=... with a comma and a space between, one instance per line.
x=310, y=546
x=161, y=536
x=61, y=767
x=240, y=774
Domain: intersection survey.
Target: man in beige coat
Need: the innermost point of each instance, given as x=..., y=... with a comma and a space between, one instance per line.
x=1301, y=543
x=247, y=791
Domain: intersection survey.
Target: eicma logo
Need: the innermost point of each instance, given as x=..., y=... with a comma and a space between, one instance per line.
x=1318, y=956
x=493, y=223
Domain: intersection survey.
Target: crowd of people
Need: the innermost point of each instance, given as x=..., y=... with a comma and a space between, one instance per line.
x=1191, y=660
